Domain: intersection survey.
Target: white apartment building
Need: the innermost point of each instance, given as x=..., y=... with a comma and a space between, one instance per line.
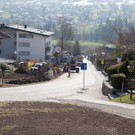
x=25, y=43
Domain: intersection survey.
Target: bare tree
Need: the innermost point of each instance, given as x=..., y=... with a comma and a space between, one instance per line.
x=66, y=35
x=125, y=41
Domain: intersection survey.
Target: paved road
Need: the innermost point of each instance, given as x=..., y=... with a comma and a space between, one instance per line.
x=60, y=88
x=64, y=89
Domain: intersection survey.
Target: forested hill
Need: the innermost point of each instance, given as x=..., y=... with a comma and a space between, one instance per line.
x=92, y=20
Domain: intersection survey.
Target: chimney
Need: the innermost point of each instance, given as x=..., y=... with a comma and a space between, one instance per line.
x=25, y=26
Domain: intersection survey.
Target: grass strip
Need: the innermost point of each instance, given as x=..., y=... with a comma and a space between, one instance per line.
x=125, y=99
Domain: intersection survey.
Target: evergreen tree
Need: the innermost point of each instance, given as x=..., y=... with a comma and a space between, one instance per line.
x=76, y=49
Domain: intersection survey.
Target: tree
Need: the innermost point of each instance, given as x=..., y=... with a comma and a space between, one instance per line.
x=125, y=42
x=76, y=49
x=89, y=50
x=66, y=34
x=128, y=54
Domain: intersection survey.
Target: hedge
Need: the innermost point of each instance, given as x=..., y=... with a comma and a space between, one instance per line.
x=123, y=68
x=112, y=70
x=117, y=79
x=118, y=68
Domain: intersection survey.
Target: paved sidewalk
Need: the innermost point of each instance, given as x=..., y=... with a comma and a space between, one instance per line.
x=120, y=109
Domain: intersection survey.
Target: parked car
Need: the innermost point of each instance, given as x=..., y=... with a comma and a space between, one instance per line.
x=36, y=66
x=43, y=63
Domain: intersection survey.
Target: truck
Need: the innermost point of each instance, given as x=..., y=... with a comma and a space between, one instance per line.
x=73, y=64
x=80, y=59
x=69, y=63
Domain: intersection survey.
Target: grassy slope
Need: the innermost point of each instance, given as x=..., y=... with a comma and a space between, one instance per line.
x=84, y=43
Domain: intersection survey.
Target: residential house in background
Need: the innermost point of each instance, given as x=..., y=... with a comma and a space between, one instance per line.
x=105, y=52
x=26, y=43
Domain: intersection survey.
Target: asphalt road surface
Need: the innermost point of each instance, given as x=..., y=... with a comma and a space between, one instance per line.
x=70, y=90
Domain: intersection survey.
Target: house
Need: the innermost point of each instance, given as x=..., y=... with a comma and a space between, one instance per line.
x=26, y=43
x=105, y=51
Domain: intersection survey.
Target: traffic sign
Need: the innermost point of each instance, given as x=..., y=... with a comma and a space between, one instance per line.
x=102, y=61
x=83, y=66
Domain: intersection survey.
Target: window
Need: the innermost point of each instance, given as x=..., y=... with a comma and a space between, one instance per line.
x=24, y=44
x=22, y=35
x=15, y=35
x=48, y=43
x=14, y=43
x=24, y=53
x=29, y=36
x=0, y=52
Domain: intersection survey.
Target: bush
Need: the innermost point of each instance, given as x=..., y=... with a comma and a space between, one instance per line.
x=98, y=64
x=105, y=68
x=118, y=68
x=4, y=67
x=117, y=79
x=122, y=68
x=129, y=54
x=112, y=70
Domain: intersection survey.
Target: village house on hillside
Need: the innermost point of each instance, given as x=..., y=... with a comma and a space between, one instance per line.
x=25, y=43
x=105, y=51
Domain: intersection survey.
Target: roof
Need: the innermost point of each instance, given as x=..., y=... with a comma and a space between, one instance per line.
x=3, y=35
x=28, y=29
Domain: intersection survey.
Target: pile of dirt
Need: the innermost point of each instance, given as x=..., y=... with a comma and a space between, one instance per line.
x=41, y=118
x=17, y=78
x=28, y=81
x=22, y=71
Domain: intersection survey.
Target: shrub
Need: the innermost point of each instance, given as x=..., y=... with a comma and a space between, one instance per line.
x=98, y=64
x=106, y=68
x=117, y=79
x=4, y=67
x=122, y=68
x=129, y=54
x=118, y=68
x=112, y=70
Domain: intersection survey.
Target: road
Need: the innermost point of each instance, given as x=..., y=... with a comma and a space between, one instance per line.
x=70, y=90
x=61, y=88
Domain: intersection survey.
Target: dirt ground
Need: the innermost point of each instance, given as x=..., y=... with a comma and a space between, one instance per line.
x=16, y=78
x=42, y=118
